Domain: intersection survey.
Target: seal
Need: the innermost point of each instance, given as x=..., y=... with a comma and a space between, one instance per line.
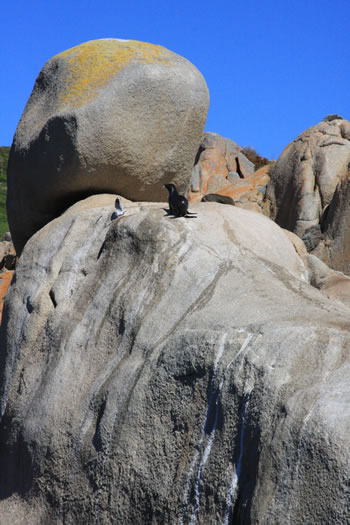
x=178, y=204
x=215, y=197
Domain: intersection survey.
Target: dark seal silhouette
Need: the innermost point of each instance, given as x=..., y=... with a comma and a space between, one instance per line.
x=178, y=204
x=215, y=197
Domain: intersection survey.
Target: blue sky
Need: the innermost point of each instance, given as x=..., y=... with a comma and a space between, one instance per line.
x=273, y=68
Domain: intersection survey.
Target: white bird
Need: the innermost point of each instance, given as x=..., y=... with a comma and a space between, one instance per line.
x=119, y=209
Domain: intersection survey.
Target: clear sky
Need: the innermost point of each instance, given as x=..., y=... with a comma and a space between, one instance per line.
x=273, y=68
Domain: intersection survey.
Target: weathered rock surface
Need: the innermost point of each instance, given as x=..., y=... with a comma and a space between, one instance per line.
x=334, y=284
x=334, y=243
x=171, y=371
x=298, y=244
x=249, y=192
x=105, y=116
x=221, y=168
x=219, y=163
x=307, y=173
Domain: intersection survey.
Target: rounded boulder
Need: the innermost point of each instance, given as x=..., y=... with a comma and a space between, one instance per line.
x=305, y=178
x=108, y=115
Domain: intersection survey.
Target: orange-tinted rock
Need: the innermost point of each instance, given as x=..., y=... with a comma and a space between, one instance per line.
x=247, y=192
x=5, y=280
x=222, y=168
x=219, y=163
x=250, y=188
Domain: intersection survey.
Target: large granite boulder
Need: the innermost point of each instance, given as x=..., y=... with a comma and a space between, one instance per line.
x=159, y=370
x=105, y=116
x=307, y=173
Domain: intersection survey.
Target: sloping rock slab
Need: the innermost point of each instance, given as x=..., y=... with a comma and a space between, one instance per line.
x=158, y=370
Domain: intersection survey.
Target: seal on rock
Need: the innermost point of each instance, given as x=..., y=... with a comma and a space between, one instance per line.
x=215, y=197
x=178, y=204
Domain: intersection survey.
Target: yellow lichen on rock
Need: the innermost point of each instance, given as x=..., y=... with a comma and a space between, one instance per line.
x=90, y=66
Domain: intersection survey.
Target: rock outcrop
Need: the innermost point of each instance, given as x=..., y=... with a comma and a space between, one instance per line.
x=221, y=168
x=219, y=163
x=333, y=244
x=249, y=192
x=172, y=371
x=309, y=191
x=334, y=284
x=304, y=181
x=106, y=116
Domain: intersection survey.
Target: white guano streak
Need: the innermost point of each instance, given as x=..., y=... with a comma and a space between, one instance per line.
x=209, y=444
x=208, y=447
x=238, y=468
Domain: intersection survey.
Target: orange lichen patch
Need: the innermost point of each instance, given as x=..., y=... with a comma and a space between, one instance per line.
x=265, y=170
x=247, y=193
x=213, y=171
x=251, y=187
x=5, y=280
x=204, y=183
x=90, y=66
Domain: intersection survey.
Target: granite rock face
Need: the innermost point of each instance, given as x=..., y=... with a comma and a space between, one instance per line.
x=249, y=192
x=106, y=116
x=221, y=168
x=219, y=163
x=172, y=371
x=334, y=242
x=307, y=173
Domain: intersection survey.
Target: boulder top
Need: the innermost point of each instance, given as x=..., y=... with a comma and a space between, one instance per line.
x=91, y=65
x=109, y=116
